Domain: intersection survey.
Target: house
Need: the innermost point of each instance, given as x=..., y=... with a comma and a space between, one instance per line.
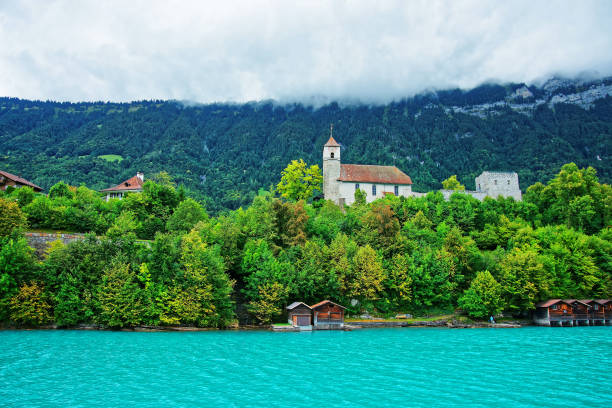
x=131, y=185
x=340, y=181
x=11, y=180
x=573, y=312
x=300, y=315
x=328, y=315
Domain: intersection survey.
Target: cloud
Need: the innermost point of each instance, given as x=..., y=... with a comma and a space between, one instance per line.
x=291, y=51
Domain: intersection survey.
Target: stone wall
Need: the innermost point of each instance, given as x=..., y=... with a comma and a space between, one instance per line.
x=40, y=241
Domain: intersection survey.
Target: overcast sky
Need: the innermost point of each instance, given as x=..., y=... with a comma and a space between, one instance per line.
x=372, y=51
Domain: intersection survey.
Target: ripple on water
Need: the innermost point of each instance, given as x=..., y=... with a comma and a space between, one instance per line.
x=370, y=368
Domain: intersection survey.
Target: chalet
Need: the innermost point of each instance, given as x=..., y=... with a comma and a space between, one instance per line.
x=11, y=180
x=131, y=185
x=328, y=315
x=573, y=312
x=300, y=315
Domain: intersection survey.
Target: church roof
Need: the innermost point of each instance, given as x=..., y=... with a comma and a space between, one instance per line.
x=332, y=142
x=373, y=174
x=131, y=184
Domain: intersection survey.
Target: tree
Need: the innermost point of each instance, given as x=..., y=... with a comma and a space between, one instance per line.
x=452, y=183
x=299, y=182
x=267, y=305
x=367, y=275
x=119, y=297
x=60, y=189
x=11, y=217
x=523, y=279
x=483, y=298
x=30, y=306
x=188, y=213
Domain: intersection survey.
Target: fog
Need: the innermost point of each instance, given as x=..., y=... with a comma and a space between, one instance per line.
x=296, y=51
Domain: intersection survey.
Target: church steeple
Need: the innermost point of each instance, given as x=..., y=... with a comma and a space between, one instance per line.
x=331, y=142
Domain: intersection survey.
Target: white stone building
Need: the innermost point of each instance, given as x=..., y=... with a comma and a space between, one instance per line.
x=341, y=180
x=492, y=184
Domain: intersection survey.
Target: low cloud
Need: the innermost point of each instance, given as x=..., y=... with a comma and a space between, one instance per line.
x=239, y=51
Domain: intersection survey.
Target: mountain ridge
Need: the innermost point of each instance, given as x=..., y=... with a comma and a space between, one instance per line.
x=224, y=153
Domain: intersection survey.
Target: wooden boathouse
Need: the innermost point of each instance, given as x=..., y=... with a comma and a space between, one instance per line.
x=328, y=315
x=300, y=315
x=325, y=315
x=574, y=312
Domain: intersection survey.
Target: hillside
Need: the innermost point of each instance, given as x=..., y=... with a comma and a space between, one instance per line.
x=224, y=153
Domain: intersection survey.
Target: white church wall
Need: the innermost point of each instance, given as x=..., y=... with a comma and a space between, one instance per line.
x=347, y=191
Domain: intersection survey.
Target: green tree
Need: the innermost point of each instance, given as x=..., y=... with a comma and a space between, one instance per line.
x=366, y=276
x=30, y=306
x=119, y=295
x=11, y=218
x=452, y=183
x=483, y=298
x=299, y=182
x=268, y=304
x=186, y=216
x=523, y=279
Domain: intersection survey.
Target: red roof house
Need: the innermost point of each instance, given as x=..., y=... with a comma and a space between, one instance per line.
x=131, y=185
x=11, y=180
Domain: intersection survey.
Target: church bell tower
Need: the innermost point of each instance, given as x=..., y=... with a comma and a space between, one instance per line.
x=331, y=168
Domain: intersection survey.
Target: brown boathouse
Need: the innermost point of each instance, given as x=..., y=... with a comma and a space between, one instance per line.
x=574, y=312
x=300, y=315
x=324, y=315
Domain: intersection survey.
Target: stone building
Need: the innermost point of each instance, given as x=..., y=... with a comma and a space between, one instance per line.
x=492, y=184
x=495, y=184
x=340, y=181
x=131, y=185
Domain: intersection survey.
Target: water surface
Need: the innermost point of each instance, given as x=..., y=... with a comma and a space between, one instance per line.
x=530, y=367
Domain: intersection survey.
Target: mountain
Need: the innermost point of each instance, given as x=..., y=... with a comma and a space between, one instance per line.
x=224, y=153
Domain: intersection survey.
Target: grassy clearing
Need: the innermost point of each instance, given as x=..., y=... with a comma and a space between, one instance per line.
x=111, y=158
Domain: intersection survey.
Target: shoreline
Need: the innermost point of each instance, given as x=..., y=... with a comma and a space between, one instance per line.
x=348, y=327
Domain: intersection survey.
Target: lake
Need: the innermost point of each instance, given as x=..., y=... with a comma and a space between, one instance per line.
x=411, y=367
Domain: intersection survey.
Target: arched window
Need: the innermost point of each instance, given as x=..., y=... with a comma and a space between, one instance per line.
x=332, y=155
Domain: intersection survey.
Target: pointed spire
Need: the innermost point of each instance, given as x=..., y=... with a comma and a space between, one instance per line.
x=331, y=142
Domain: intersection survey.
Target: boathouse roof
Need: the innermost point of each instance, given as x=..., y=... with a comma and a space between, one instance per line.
x=325, y=302
x=549, y=302
x=296, y=304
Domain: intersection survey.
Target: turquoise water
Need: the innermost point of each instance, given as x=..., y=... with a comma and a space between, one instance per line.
x=543, y=367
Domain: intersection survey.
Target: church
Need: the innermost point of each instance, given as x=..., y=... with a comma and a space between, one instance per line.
x=341, y=180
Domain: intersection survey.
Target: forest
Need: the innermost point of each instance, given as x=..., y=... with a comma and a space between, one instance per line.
x=159, y=258
x=223, y=154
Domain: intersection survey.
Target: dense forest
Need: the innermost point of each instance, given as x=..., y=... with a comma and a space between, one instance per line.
x=223, y=154
x=396, y=254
